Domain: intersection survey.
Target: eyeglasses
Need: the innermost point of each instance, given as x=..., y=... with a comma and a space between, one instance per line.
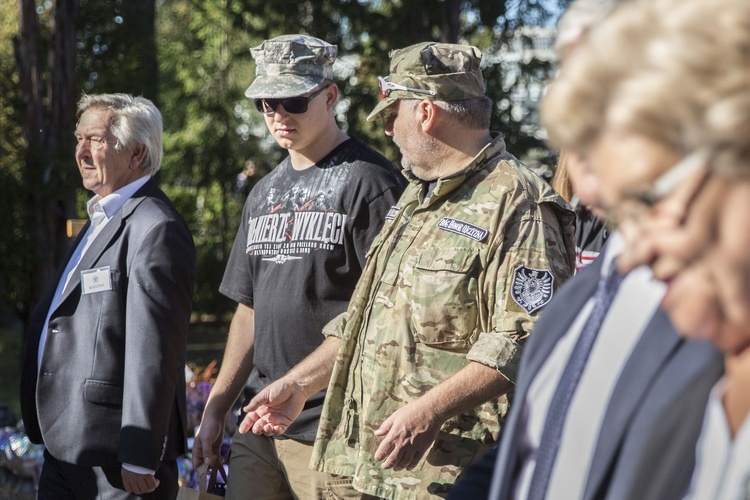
x=639, y=201
x=294, y=105
x=95, y=142
x=387, y=87
x=669, y=181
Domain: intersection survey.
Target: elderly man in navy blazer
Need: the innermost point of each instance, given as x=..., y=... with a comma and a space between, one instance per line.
x=103, y=378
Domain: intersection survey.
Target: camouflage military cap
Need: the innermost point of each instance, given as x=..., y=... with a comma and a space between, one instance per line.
x=449, y=70
x=290, y=65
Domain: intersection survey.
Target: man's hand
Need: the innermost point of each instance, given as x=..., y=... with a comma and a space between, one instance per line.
x=409, y=432
x=273, y=409
x=138, y=484
x=708, y=297
x=208, y=439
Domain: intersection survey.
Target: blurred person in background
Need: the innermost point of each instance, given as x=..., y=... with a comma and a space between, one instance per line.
x=574, y=181
x=573, y=177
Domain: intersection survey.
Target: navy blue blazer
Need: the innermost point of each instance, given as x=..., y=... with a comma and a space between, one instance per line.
x=646, y=447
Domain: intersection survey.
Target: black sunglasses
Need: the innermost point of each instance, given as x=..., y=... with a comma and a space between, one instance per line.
x=294, y=105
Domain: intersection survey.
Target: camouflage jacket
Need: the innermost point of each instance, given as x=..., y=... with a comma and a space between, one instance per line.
x=456, y=278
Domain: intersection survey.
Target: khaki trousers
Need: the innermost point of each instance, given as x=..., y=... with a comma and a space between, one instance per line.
x=263, y=468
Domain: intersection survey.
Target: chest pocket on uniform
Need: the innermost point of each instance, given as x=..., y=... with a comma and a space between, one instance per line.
x=444, y=297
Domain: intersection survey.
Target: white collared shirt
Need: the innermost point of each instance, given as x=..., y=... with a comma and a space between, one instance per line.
x=629, y=314
x=722, y=467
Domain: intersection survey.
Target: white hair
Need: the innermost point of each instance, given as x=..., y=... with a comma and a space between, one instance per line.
x=136, y=121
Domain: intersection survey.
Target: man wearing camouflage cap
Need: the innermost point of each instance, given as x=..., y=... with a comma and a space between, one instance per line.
x=299, y=252
x=430, y=344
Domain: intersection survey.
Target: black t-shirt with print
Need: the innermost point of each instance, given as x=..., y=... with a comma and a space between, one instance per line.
x=299, y=252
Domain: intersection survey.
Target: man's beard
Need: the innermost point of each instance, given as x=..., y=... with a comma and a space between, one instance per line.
x=421, y=162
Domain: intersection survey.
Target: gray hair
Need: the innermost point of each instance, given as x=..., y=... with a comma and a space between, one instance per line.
x=471, y=113
x=136, y=121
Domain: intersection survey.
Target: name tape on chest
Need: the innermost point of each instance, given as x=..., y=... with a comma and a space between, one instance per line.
x=532, y=288
x=392, y=213
x=462, y=228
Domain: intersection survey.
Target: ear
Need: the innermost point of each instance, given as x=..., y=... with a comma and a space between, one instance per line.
x=332, y=95
x=139, y=154
x=427, y=114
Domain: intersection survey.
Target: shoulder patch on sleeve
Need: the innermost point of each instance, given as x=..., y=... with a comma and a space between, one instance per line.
x=532, y=288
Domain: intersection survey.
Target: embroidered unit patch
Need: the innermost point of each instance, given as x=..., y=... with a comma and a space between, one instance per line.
x=532, y=288
x=456, y=226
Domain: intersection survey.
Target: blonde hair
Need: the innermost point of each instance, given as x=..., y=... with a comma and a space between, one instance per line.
x=560, y=181
x=676, y=71
x=577, y=20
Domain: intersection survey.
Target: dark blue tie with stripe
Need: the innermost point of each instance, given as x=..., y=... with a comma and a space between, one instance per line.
x=558, y=408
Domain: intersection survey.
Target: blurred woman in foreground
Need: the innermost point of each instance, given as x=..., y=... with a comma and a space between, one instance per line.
x=659, y=106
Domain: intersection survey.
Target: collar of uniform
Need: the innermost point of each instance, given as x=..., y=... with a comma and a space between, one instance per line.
x=446, y=185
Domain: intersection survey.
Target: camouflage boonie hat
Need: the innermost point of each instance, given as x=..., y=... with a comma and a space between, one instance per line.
x=290, y=65
x=451, y=71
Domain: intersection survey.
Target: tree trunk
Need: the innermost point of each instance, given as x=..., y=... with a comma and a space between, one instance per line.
x=47, y=94
x=451, y=21
x=139, y=41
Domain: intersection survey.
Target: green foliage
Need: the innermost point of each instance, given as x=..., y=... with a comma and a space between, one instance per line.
x=366, y=31
x=117, y=48
x=192, y=58
x=205, y=68
x=15, y=267
x=213, y=216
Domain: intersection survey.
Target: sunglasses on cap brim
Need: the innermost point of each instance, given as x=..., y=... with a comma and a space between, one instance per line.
x=387, y=87
x=294, y=105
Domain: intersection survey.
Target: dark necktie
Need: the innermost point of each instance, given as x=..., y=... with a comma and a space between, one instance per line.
x=558, y=408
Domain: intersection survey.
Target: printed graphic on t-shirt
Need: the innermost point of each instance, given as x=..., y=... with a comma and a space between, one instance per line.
x=300, y=219
x=293, y=233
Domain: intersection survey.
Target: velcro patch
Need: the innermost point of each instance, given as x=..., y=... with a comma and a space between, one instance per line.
x=392, y=213
x=532, y=288
x=462, y=228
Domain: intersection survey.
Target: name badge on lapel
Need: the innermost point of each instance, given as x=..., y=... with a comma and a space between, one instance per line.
x=96, y=280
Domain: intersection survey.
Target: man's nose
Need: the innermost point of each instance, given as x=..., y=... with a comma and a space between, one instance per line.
x=280, y=114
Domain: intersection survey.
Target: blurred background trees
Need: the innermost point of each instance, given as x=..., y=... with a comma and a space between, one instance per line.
x=191, y=58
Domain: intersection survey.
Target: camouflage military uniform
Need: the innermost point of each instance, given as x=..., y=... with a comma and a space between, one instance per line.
x=455, y=278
